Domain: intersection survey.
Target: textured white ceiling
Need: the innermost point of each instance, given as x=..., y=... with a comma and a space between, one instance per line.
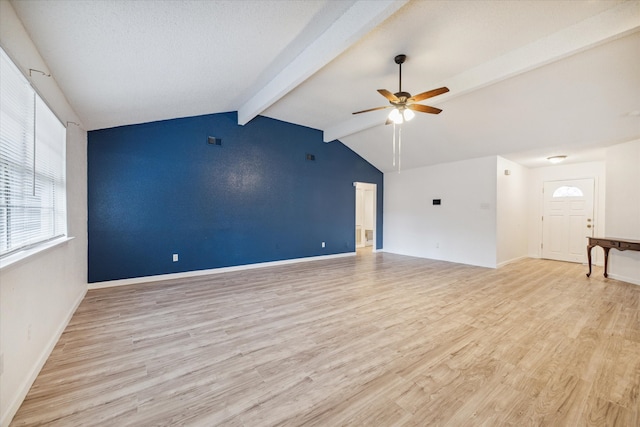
x=566, y=107
x=123, y=62
x=528, y=79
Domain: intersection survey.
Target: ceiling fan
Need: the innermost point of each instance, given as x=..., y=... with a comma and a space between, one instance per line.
x=403, y=103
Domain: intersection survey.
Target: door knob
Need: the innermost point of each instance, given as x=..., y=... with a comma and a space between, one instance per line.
x=589, y=226
x=588, y=219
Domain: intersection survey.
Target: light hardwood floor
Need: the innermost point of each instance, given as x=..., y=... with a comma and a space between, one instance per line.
x=374, y=339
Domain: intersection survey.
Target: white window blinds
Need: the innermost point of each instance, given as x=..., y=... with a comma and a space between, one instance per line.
x=32, y=165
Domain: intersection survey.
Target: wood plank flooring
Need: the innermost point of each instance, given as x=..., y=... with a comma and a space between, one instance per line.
x=376, y=339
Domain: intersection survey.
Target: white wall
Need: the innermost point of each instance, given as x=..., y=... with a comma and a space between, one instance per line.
x=511, y=211
x=559, y=172
x=462, y=229
x=623, y=208
x=39, y=294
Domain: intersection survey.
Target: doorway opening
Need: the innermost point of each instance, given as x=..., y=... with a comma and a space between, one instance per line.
x=365, y=232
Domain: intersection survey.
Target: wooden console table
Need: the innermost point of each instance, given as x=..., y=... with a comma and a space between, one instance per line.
x=607, y=243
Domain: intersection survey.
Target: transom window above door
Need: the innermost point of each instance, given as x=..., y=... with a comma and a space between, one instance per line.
x=566, y=191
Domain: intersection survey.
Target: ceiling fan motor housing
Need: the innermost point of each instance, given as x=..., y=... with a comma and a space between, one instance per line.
x=402, y=96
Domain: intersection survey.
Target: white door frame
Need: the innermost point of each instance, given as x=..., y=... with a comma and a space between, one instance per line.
x=367, y=186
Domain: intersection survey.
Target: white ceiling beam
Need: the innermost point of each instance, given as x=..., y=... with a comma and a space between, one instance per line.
x=358, y=20
x=356, y=124
x=615, y=22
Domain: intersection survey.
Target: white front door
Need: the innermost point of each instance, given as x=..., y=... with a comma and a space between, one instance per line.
x=567, y=220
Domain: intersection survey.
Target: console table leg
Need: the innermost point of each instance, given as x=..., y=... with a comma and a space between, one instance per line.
x=606, y=260
x=589, y=257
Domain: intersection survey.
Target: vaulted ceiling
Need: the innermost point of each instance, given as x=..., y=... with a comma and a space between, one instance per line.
x=527, y=79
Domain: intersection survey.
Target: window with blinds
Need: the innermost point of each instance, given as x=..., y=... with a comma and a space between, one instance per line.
x=32, y=165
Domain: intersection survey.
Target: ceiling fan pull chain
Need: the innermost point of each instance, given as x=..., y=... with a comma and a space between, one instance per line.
x=394, y=144
x=399, y=147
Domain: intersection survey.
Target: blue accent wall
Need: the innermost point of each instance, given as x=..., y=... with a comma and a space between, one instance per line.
x=156, y=189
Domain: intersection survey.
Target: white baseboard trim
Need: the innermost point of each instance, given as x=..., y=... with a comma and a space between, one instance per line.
x=6, y=418
x=631, y=280
x=503, y=263
x=594, y=263
x=187, y=274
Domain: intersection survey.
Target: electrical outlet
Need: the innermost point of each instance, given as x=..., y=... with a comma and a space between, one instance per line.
x=323, y=244
x=175, y=257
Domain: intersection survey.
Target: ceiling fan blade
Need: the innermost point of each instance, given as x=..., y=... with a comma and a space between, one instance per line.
x=372, y=109
x=391, y=97
x=428, y=94
x=424, y=108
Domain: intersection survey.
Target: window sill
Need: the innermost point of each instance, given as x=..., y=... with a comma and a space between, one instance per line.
x=21, y=256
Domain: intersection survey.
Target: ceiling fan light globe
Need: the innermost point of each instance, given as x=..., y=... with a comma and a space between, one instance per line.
x=396, y=117
x=408, y=115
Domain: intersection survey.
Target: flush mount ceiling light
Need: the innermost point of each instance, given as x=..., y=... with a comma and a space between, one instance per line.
x=404, y=105
x=556, y=159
